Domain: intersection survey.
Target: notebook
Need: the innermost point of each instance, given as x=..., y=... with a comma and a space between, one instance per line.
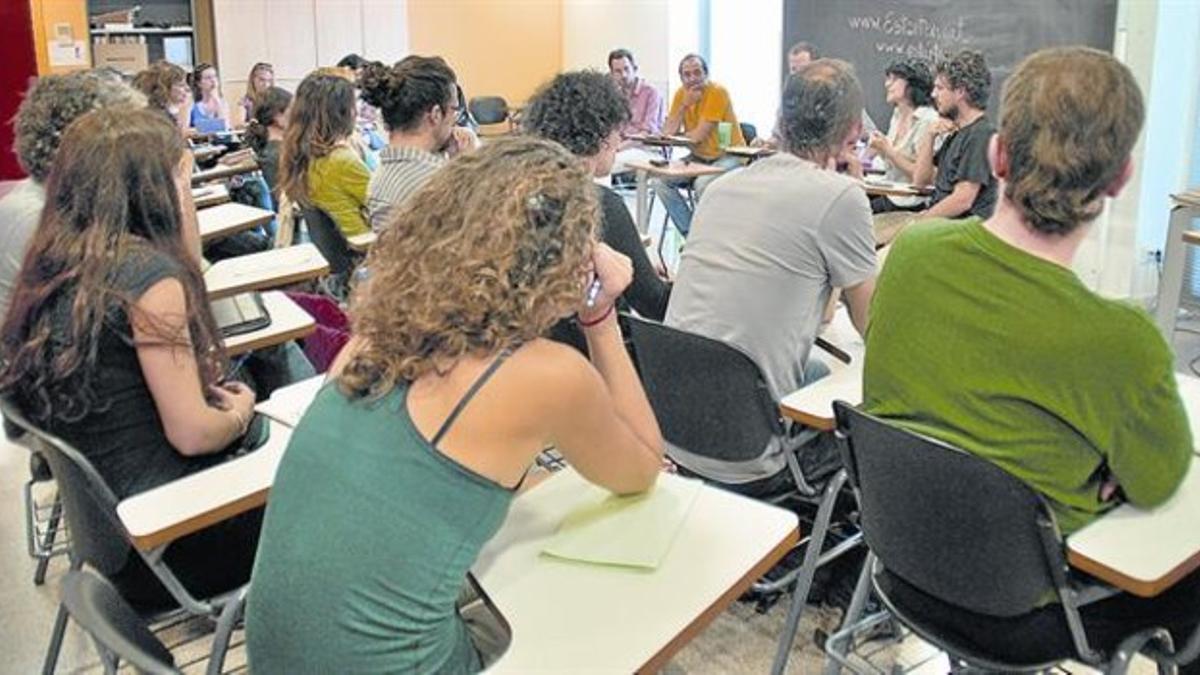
x=240, y=314
x=634, y=531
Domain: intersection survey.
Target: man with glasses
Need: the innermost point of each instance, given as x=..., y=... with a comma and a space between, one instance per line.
x=420, y=101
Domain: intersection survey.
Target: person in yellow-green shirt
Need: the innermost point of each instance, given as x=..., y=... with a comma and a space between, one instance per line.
x=983, y=337
x=318, y=165
x=698, y=109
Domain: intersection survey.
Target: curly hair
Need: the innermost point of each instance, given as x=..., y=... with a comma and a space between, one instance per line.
x=156, y=83
x=917, y=76
x=1069, y=119
x=821, y=103
x=968, y=71
x=408, y=90
x=578, y=109
x=489, y=254
x=55, y=101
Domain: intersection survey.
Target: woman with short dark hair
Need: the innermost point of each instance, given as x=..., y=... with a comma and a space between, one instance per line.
x=907, y=84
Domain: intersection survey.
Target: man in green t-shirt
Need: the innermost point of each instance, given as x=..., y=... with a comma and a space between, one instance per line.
x=983, y=337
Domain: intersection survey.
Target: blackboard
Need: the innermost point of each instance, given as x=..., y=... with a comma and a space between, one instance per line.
x=872, y=33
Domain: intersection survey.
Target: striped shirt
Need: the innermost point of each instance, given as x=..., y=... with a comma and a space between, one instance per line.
x=402, y=171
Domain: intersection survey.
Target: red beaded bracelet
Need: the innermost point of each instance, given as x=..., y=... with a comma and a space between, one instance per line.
x=596, y=321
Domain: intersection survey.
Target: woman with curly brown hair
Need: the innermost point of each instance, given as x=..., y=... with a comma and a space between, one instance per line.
x=109, y=343
x=437, y=408
x=166, y=88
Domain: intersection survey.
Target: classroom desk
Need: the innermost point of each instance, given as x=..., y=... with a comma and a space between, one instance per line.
x=564, y=616
x=267, y=269
x=222, y=171
x=286, y=405
x=230, y=218
x=1141, y=551
x=209, y=195
x=749, y=152
x=206, y=152
x=645, y=170
x=361, y=243
x=664, y=143
x=877, y=187
x=289, y=321
x=1184, y=208
x=568, y=617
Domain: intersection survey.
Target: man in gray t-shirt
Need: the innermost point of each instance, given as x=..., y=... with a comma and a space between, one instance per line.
x=771, y=242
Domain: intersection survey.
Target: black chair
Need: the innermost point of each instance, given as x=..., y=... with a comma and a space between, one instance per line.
x=712, y=400
x=45, y=535
x=116, y=629
x=749, y=132
x=951, y=533
x=100, y=541
x=490, y=110
x=329, y=240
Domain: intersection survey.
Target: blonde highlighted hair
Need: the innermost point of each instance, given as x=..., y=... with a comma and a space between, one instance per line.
x=1069, y=120
x=489, y=254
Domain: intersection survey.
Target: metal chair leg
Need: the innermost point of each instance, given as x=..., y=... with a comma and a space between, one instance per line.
x=231, y=615
x=56, y=640
x=47, y=544
x=858, y=602
x=807, y=570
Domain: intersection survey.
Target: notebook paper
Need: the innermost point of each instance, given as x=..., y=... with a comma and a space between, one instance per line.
x=633, y=531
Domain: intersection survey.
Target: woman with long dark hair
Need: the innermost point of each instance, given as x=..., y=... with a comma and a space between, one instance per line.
x=264, y=133
x=319, y=166
x=109, y=342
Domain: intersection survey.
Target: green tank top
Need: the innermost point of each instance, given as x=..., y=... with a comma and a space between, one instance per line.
x=367, y=540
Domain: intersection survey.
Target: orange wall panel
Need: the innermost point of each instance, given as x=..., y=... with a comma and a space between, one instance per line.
x=46, y=15
x=496, y=47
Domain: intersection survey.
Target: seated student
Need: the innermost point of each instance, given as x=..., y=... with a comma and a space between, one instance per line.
x=50, y=105
x=318, y=164
x=963, y=184
x=210, y=113
x=771, y=243
x=109, y=342
x=1068, y=391
x=697, y=109
x=435, y=412
x=264, y=133
x=585, y=113
x=166, y=88
x=645, y=107
x=908, y=84
x=419, y=101
x=260, y=80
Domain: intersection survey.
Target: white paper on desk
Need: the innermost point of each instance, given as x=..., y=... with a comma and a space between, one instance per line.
x=288, y=404
x=634, y=531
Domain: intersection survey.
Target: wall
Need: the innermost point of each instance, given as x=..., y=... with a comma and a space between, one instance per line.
x=593, y=28
x=296, y=36
x=20, y=65
x=45, y=14
x=496, y=47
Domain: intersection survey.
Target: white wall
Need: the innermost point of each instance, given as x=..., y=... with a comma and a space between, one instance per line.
x=593, y=28
x=296, y=36
x=749, y=69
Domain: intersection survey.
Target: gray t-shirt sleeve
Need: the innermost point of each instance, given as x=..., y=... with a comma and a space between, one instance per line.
x=846, y=239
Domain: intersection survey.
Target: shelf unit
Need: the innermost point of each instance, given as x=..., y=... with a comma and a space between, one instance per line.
x=130, y=49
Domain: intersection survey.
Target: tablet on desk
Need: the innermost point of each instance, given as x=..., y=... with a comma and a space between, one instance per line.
x=240, y=314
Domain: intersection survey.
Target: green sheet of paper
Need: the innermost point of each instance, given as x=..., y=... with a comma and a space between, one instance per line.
x=635, y=531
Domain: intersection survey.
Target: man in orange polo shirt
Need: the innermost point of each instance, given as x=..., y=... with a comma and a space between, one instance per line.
x=698, y=109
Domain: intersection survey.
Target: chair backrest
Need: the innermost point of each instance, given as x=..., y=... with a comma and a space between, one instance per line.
x=749, y=132
x=89, y=505
x=710, y=398
x=97, y=607
x=329, y=240
x=954, y=525
x=488, y=109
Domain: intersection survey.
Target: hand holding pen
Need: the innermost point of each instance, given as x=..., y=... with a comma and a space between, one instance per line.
x=611, y=274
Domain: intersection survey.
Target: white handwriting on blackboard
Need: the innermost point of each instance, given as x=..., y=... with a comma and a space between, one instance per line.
x=902, y=25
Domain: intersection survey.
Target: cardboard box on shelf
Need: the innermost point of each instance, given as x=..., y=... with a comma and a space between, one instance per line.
x=127, y=58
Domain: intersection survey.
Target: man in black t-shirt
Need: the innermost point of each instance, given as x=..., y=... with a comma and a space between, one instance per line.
x=961, y=175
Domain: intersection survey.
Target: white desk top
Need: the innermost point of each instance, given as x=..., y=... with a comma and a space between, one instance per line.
x=289, y=321
x=210, y=195
x=268, y=269
x=229, y=218
x=287, y=404
x=223, y=171
x=622, y=619
x=1141, y=551
x=813, y=405
x=361, y=243
x=178, y=508
x=1189, y=391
